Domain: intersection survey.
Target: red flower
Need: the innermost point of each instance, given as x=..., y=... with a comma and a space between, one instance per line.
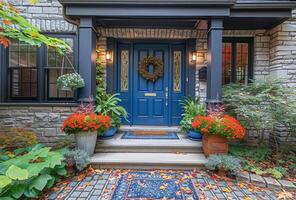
x=81, y=122
x=223, y=125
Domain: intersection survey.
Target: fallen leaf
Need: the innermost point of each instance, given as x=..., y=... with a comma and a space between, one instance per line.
x=247, y=198
x=284, y=195
x=227, y=190
x=162, y=187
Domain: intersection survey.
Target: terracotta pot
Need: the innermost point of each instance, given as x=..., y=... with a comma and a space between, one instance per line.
x=214, y=144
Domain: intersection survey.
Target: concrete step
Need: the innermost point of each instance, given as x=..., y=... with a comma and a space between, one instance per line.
x=148, y=160
x=118, y=145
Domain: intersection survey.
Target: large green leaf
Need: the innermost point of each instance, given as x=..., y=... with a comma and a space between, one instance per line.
x=4, y=181
x=18, y=190
x=36, y=168
x=40, y=182
x=16, y=173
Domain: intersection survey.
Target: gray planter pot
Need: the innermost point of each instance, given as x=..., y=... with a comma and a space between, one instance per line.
x=86, y=142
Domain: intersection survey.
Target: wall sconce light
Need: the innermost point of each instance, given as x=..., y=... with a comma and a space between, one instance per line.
x=108, y=55
x=193, y=56
x=200, y=58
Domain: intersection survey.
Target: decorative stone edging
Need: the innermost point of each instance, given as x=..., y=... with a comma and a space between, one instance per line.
x=265, y=181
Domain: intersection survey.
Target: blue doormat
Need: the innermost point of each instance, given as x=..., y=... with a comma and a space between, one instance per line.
x=156, y=185
x=167, y=136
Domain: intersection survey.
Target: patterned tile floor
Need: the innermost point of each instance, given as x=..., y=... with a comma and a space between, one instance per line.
x=155, y=184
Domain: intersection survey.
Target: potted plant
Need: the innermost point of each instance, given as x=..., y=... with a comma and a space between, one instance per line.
x=108, y=104
x=224, y=165
x=85, y=126
x=191, y=109
x=69, y=82
x=217, y=130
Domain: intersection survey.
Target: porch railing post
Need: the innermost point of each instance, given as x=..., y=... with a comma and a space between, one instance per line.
x=214, y=58
x=87, y=58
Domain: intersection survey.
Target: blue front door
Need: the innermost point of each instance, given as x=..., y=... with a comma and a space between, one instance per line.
x=150, y=98
x=148, y=102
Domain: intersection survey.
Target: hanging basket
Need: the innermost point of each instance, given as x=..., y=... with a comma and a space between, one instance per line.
x=70, y=81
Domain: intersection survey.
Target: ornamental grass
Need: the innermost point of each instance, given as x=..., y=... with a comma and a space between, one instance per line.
x=225, y=126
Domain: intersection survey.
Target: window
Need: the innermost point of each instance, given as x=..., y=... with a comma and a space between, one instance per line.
x=33, y=71
x=54, y=65
x=237, y=66
x=23, y=70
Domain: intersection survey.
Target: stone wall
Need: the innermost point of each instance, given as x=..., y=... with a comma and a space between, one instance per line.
x=47, y=15
x=283, y=51
x=45, y=121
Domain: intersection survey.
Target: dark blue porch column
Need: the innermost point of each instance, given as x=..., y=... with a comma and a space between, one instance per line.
x=87, y=57
x=214, y=58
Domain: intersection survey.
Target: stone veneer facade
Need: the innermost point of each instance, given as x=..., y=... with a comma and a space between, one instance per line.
x=274, y=54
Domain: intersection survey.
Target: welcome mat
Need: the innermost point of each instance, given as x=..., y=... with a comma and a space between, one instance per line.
x=156, y=135
x=148, y=186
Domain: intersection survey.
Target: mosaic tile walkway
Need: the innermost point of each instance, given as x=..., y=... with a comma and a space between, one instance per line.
x=156, y=184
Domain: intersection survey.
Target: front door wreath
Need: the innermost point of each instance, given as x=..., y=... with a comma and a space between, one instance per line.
x=157, y=71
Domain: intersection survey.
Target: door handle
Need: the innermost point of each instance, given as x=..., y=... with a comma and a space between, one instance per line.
x=166, y=96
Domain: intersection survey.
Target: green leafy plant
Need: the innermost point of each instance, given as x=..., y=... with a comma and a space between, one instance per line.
x=27, y=175
x=191, y=109
x=70, y=81
x=79, y=157
x=258, y=154
x=263, y=105
x=229, y=163
x=13, y=138
x=108, y=104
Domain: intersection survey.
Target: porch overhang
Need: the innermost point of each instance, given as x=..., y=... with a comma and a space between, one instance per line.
x=236, y=14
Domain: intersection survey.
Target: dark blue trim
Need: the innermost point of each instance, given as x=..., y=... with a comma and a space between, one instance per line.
x=146, y=11
x=214, y=80
x=87, y=58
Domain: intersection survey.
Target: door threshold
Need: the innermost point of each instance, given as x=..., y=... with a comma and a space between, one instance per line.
x=149, y=128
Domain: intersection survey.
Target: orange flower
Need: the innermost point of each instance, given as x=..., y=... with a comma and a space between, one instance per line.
x=79, y=122
x=225, y=126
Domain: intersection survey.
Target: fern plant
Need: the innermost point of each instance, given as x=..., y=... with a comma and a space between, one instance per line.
x=108, y=104
x=192, y=108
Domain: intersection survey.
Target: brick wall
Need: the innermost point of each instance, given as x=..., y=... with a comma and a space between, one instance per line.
x=47, y=15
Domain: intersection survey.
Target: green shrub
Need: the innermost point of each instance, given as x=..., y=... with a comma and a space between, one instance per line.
x=192, y=108
x=16, y=138
x=79, y=158
x=27, y=175
x=262, y=104
x=229, y=163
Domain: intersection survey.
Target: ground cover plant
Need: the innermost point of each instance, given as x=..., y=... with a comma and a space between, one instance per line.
x=26, y=172
x=263, y=161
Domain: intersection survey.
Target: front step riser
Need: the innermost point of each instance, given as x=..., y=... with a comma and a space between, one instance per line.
x=144, y=166
x=147, y=150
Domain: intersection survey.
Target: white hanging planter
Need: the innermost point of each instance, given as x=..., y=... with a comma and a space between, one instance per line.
x=69, y=82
